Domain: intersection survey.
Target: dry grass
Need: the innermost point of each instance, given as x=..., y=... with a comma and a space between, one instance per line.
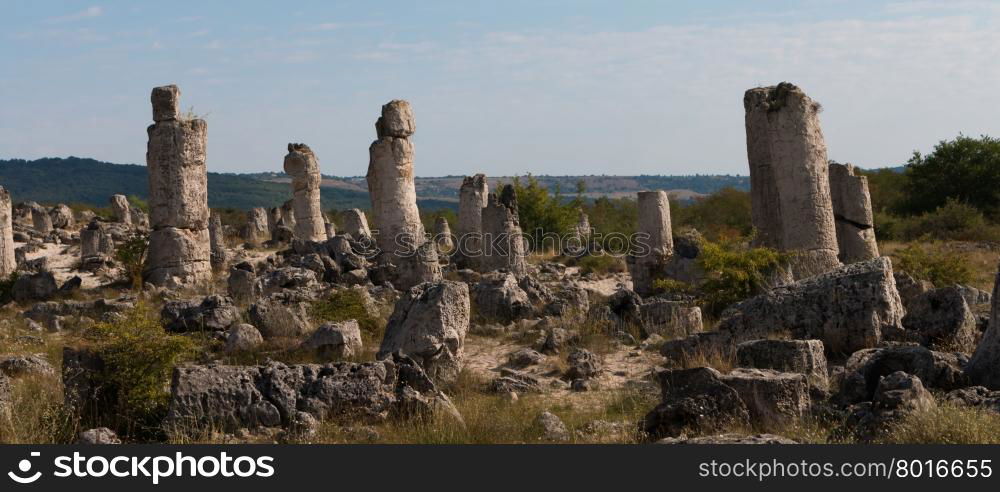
x=36, y=414
x=982, y=258
x=947, y=424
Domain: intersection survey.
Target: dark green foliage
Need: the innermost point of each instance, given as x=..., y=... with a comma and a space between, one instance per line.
x=132, y=255
x=541, y=211
x=139, y=357
x=613, y=215
x=964, y=169
x=724, y=214
x=347, y=304
x=952, y=221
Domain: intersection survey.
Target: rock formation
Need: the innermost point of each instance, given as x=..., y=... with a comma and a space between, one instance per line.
x=648, y=263
x=472, y=198
x=120, y=209
x=7, y=259
x=356, y=224
x=503, y=244
x=62, y=217
x=442, y=234
x=792, y=209
x=302, y=166
x=217, y=241
x=40, y=219
x=852, y=213
x=179, y=245
x=390, y=182
x=984, y=366
x=96, y=246
x=429, y=324
x=258, y=228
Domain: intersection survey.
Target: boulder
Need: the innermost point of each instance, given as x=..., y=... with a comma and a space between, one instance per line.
x=694, y=400
x=31, y=287
x=242, y=337
x=583, y=364
x=213, y=313
x=729, y=439
x=669, y=318
x=336, y=340
x=795, y=356
x=228, y=398
x=773, y=399
x=280, y=316
x=897, y=395
x=942, y=318
x=498, y=297
x=865, y=368
x=25, y=365
x=551, y=427
x=848, y=308
x=100, y=435
x=984, y=367
x=429, y=324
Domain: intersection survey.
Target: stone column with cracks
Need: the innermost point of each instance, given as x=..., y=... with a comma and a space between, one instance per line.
x=852, y=213
x=356, y=224
x=792, y=209
x=179, y=244
x=302, y=166
x=472, y=198
x=217, y=241
x=8, y=261
x=648, y=262
x=120, y=209
x=503, y=242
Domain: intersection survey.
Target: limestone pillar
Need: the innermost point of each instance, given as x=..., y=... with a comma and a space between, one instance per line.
x=503, y=243
x=852, y=214
x=8, y=264
x=390, y=182
x=648, y=260
x=472, y=199
x=217, y=241
x=258, y=229
x=120, y=209
x=179, y=245
x=302, y=166
x=792, y=208
x=442, y=234
x=356, y=224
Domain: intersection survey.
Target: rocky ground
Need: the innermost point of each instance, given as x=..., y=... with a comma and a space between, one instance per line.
x=306, y=342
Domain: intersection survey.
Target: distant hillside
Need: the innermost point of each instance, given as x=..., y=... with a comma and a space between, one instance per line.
x=76, y=180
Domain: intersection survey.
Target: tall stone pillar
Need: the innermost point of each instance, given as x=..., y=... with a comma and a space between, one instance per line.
x=789, y=185
x=179, y=245
x=217, y=241
x=8, y=263
x=503, y=243
x=852, y=213
x=442, y=234
x=302, y=166
x=648, y=261
x=258, y=228
x=120, y=209
x=472, y=197
x=390, y=181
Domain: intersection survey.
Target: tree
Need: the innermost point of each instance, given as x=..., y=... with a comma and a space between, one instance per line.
x=965, y=169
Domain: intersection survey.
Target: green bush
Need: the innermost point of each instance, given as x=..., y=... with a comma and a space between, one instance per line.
x=132, y=255
x=139, y=356
x=543, y=212
x=600, y=263
x=723, y=215
x=734, y=272
x=348, y=304
x=940, y=269
x=964, y=169
x=952, y=221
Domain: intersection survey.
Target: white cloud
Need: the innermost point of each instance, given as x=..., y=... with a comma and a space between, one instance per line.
x=88, y=13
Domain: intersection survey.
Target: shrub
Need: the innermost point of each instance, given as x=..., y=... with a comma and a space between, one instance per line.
x=600, y=263
x=965, y=169
x=940, y=269
x=139, y=203
x=734, y=272
x=952, y=221
x=139, y=356
x=723, y=215
x=347, y=304
x=543, y=212
x=132, y=255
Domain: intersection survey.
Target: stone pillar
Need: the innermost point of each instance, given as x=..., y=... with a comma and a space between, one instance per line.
x=356, y=224
x=258, y=228
x=472, y=199
x=442, y=234
x=217, y=241
x=8, y=264
x=789, y=185
x=648, y=262
x=62, y=217
x=503, y=244
x=852, y=213
x=390, y=181
x=302, y=166
x=96, y=246
x=40, y=219
x=179, y=245
x=120, y=209
x=330, y=227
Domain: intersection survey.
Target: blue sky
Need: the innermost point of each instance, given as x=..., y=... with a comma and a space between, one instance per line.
x=544, y=86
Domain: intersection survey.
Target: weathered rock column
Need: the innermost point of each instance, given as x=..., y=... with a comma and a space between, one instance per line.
x=442, y=234
x=179, y=245
x=217, y=241
x=503, y=242
x=302, y=166
x=648, y=263
x=789, y=184
x=356, y=224
x=96, y=246
x=120, y=209
x=258, y=228
x=390, y=181
x=40, y=219
x=8, y=263
x=472, y=198
x=984, y=367
x=852, y=213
